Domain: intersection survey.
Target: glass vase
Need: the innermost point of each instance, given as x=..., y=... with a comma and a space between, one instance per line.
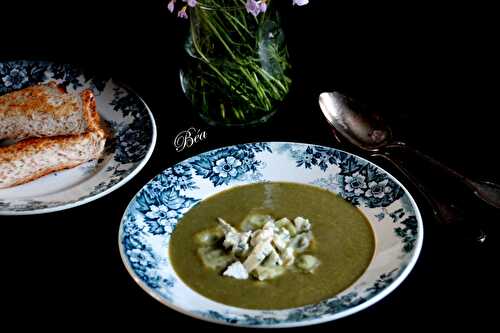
x=236, y=70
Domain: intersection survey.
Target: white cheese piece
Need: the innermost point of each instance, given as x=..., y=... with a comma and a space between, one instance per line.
x=281, y=239
x=260, y=236
x=236, y=270
x=270, y=226
x=237, y=241
x=302, y=224
x=288, y=256
x=243, y=246
x=273, y=259
x=258, y=254
x=231, y=239
x=226, y=226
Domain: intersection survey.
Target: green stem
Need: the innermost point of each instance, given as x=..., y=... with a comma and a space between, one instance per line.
x=216, y=32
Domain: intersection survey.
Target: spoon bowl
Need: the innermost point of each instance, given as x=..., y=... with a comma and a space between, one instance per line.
x=352, y=120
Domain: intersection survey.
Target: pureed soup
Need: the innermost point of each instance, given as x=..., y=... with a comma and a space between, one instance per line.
x=343, y=243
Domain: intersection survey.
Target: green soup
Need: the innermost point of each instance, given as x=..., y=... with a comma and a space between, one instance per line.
x=344, y=243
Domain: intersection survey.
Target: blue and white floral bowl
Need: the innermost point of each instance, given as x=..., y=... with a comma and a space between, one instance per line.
x=126, y=153
x=154, y=212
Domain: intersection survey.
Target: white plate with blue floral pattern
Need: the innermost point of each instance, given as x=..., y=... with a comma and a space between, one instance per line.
x=154, y=212
x=126, y=153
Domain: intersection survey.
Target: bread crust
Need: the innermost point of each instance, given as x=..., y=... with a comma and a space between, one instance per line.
x=89, y=110
x=25, y=146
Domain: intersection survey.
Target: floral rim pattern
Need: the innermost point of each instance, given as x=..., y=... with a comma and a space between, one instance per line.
x=129, y=119
x=153, y=213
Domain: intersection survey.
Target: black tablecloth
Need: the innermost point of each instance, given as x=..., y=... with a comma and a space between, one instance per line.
x=428, y=68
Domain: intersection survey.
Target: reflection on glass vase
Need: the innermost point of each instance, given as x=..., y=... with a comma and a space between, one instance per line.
x=236, y=67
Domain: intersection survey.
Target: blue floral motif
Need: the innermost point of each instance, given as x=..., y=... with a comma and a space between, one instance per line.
x=257, y=147
x=332, y=183
x=132, y=139
x=18, y=75
x=306, y=158
x=397, y=214
x=126, y=103
x=68, y=76
x=408, y=233
x=359, y=182
x=142, y=258
x=408, y=230
x=131, y=228
x=355, y=183
x=16, y=78
x=225, y=165
x=161, y=202
x=176, y=178
x=382, y=282
x=370, y=187
x=167, y=209
x=378, y=189
x=161, y=219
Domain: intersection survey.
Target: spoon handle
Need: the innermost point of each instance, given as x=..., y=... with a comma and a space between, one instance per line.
x=486, y=191
x=446, y=213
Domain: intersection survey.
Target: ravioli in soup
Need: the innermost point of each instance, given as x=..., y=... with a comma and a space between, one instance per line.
x=272, y=245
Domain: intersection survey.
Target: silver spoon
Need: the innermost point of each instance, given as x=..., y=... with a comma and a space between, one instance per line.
x=369, y=132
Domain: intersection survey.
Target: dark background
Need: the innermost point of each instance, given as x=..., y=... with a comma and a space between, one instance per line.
x=431, y=69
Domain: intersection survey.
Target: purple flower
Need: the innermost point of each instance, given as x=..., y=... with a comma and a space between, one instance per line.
x=191, y=3
x=182, y=13
x=300, y=2
x=253, y=7
x=171, y=5
x=263, y=6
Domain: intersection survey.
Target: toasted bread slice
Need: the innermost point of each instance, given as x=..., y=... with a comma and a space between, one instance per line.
x=36, y=157
x=33, y=158
x=46, y=110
